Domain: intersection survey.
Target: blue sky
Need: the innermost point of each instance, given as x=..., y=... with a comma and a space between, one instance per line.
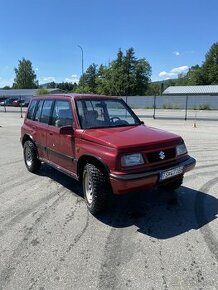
x=171, y=34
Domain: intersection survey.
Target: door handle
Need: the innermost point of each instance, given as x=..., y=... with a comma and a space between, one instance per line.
x=50, y=133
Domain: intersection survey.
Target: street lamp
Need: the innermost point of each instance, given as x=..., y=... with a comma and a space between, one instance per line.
x=82, y=60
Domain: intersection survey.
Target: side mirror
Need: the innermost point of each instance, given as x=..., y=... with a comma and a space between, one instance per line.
x=142, y=122
x=66, y=130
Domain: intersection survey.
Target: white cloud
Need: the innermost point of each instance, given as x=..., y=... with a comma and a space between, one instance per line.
x=177, y=53
x=180, y=69
x=36, y=69
x=68, y=80
x=73, y=79
x=49, y=79
x=174, y=72
x=167, y=74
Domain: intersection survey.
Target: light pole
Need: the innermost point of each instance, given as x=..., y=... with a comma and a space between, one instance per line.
x=82, y=61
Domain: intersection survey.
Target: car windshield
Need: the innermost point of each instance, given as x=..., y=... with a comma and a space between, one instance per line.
x=105, y=113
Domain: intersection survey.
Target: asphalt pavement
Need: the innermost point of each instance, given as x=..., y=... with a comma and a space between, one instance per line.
x=147, y=240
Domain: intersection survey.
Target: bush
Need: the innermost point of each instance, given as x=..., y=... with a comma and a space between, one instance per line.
x=170, y=106
x=204, y=107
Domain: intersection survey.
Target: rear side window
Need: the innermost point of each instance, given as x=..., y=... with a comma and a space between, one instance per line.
x=62, y=114
x=46, y=109
x=31, y=110
x=38, y=110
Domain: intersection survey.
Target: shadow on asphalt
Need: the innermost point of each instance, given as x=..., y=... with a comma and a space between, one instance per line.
x=156, y=213
x=162, y=214
x=61, y=178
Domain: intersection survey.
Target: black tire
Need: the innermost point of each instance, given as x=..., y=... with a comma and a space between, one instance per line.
x=95, y=189
x=172, y=185
x=30, y=156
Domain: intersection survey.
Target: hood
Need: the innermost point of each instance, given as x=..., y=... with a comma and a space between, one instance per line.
x=129, y=137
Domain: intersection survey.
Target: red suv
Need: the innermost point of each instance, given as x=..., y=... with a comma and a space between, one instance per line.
x=99, y=141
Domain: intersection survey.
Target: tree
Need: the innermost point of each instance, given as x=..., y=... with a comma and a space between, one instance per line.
x=196, y=76
x=6, y=88
x=154, y=89
x=129, y=64
x=51, y=85
x=89, y=79
x=207, y=74
x=193, y=77
x=65, y=86
x=102, y=80
x=124, y=76
x=41, y=92
x=210, y=65
x=142, y=74
x=116, y=76
x=25, y=76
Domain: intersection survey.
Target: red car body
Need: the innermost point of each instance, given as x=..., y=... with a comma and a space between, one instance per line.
x=70, y=148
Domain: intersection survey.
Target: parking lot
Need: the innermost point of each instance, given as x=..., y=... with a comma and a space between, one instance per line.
x=147, y=240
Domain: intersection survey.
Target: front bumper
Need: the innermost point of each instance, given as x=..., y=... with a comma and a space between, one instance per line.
x=125, y=183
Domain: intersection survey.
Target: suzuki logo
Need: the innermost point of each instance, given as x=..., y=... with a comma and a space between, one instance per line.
x=162, y=155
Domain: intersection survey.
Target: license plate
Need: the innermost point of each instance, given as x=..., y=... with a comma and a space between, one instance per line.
x=171, y=172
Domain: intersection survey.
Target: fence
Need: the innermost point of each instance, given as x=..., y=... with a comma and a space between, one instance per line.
x=180, y=107
x=175, y=107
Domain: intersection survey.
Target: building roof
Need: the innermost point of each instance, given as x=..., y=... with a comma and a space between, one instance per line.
x=25, y=92
x=192, y=90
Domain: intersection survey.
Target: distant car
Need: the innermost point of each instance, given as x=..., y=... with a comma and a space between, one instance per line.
x=17, y=103
x=99, y=141
x=8, y=102
x=23, y=102
x=2, y=99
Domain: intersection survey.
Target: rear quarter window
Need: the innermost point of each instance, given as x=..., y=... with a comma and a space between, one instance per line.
x=31, y=110
x=46, y=110
x=38, y=110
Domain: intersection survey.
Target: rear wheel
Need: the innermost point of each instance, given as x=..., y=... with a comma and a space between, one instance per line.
x=95, y=188
x=30, y=156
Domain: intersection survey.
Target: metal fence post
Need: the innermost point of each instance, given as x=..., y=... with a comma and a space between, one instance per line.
x=186, y=107
x=154, y=107
x=21, y=111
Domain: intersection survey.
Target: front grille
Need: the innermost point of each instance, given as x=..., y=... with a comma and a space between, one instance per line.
x=161, y=155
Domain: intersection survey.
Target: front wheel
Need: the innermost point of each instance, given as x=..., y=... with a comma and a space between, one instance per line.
x=94, y=188
x=30, y=156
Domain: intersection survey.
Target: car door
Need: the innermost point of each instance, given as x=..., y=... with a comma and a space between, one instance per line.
x=61, y=148
x=39, y=130
x=42, y=131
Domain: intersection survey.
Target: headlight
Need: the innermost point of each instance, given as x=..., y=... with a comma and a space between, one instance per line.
x=181, y=149
x=132, y=159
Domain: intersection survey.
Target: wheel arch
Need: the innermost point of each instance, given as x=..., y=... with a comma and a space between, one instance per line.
x=25, y=138
x=98, y=162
